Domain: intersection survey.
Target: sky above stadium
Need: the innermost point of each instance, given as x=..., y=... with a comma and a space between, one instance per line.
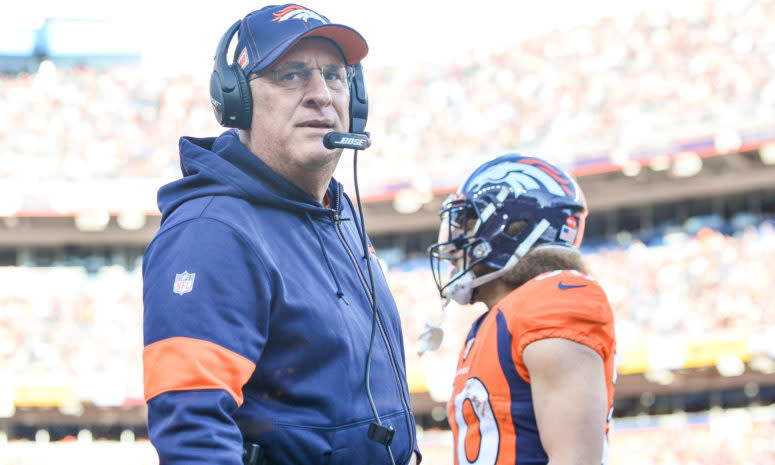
x=183, y=34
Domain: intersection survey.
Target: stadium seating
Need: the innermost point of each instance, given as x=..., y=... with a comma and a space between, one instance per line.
x=685, y=295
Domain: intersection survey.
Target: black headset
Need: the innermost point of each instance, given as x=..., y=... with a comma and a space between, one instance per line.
x=233, y=104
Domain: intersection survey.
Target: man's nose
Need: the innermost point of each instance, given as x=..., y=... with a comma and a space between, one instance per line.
x=317, y=89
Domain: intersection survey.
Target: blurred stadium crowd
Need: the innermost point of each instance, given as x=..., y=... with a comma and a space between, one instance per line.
x=688, y=285
x=70, y=332
x=620, y=85
x=682, y=284
x=736, y=436
x=715, y=438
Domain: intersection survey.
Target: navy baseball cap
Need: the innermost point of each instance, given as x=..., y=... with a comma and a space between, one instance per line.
x=265, y=34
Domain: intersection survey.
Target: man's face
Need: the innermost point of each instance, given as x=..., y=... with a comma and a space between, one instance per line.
x=451, y=229
x=289, y=124
x=449, y=252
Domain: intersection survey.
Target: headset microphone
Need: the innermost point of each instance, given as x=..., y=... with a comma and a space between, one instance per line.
x=346, y=140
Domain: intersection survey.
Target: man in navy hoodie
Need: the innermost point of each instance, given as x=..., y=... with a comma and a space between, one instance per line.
x=259, y=324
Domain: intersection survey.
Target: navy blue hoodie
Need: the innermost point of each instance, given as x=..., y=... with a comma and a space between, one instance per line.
x=258, y=321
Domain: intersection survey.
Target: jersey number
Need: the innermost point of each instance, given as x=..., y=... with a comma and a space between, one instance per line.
x=477, y=434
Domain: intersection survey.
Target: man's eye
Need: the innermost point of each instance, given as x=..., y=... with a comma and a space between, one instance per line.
x=290, y=76
x=333, y=76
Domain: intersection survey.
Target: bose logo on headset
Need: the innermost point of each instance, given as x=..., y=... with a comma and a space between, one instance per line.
x=351, y=140
x=233, y=104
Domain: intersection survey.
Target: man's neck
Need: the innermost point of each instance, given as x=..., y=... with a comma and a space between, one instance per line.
x=492, y=292
x=312, y=181
x=315, y=185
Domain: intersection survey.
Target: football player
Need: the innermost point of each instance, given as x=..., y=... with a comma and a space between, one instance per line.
x=535, y=376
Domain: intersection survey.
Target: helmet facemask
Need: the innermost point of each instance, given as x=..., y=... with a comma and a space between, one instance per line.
x=468, y=228
x=457, y=251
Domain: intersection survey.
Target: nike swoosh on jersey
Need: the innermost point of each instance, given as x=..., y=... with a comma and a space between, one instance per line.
x=569, y=286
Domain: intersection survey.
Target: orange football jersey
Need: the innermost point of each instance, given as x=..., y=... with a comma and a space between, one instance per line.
x=491, y=409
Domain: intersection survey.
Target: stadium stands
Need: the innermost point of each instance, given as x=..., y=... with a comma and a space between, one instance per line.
x=736, y=436
x=693, y=286
x=594, y=97
x=693, y=298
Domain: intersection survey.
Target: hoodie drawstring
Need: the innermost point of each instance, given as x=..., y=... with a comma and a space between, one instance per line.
x=339, y=292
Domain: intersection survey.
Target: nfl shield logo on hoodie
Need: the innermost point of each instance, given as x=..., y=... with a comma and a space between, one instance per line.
x=184, y=282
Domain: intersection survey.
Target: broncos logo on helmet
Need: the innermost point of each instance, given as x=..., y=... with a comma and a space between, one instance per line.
x=475, y=220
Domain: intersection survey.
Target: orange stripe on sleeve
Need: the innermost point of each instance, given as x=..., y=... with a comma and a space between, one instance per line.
x=183, y=364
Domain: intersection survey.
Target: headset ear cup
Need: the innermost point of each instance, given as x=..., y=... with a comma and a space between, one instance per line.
x=245, y=114
x=229, y=90
x=233, y=108
x=216, y=98
x=359, y=102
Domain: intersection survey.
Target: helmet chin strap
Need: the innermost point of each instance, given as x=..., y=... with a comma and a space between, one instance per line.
x=462, y=288
x=531, y=239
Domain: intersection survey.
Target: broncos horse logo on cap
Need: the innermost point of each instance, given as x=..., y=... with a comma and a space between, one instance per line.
x=297, y=12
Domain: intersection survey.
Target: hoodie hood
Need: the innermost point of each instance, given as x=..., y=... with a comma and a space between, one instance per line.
x=224, y=166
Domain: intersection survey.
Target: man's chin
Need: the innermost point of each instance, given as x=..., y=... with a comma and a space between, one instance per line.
x=316, y=154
